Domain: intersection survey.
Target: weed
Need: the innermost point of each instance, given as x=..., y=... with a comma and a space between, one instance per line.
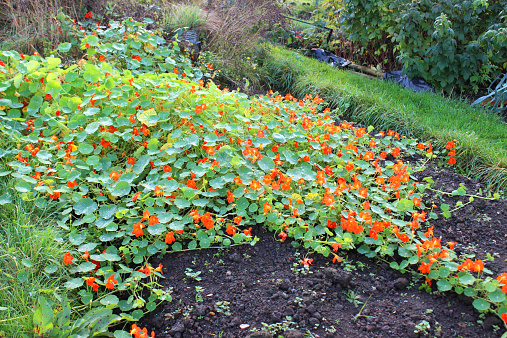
x=193, y=276
x=224, y=307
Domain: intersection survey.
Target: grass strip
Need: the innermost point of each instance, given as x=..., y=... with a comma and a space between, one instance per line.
x=481, y=150
x=30, y=262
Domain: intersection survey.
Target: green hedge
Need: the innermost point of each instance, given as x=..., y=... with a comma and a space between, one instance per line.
x=481, y=137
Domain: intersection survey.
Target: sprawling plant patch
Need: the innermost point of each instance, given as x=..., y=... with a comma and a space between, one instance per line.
x=148, y=163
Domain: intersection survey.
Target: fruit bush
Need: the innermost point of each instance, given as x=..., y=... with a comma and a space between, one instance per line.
x=451, y=44
x=141, y=163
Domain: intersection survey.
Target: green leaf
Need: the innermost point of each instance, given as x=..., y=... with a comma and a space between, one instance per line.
x=51, y=268
x=85, y=148
x=404, y=252
x=121, y=333
x=74, y=283
x=497, y=296
x=467, y=279
x=157, y=229
x=108, y=211
x=181, y=203
x=23, y=187
x=77, y=238
x=279, y=138
x=444, y=285
x=480, y=304
x=141, y=163
x=22, y=276
x=64, y=47
x=122, y=188
x=108, y=300
x=85, y=206
x=266, y=164
x=242, y=203
x=5, y=199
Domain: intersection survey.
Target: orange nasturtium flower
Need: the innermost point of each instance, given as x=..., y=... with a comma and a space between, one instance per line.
x=238, y=219
x=111, y=282
x=207, y=221
x=267, y=208
x=114, y=175
x=230, y=197
x=255, y=185
x=131, y=161
x=349, y=166
x=67, y=258
x=136, y=196
x=416, y=201
x=86, y=256
x=425, y=267
x=191, y=184
x=230, y=230
x=169, y=238
x=71, y=184
x=138, y=229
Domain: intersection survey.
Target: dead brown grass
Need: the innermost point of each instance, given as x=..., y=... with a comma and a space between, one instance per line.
x=31, y=25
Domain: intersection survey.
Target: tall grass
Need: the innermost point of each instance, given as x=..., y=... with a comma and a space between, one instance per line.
x=31, y=25
x=31, y=251
x=182, y=16
x=482, y=137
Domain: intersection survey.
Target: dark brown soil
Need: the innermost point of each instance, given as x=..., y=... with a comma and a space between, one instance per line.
x=265, y=287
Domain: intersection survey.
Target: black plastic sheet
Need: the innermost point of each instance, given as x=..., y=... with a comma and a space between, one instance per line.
x=329, y=58
x=416, y=84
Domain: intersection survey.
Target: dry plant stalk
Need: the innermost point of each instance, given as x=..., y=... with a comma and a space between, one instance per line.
x=28, y=23
x=234, y=31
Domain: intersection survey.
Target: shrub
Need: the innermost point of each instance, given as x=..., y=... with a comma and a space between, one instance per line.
x=452, y=44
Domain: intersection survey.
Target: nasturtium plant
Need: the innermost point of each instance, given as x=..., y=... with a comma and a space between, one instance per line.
x=143, y=161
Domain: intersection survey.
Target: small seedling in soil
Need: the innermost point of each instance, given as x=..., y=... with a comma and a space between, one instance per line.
x=193, y=276
x=224, y=307
x=198, y=294
x=423, y=327
x=353, y=297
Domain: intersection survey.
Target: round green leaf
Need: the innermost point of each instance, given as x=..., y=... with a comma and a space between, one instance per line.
x=242, y=203
x=51, y=268
x=74, y=283
x=122, y=188
x=111, y=299
x=480, y=304
x=497, y=296
x=444, y=285
x=85, y=206
x=85, y=148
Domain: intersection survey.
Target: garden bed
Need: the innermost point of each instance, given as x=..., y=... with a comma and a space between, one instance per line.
x=267, y=283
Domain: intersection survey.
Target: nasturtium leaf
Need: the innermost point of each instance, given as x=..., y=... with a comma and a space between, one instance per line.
x=107, y=237
x=109, y=300
x=467, y=279
x=108, y=211
x=5, y=199
x=201, y=202
x=85, y=206
x=444, y=285
x=51, y=268
x=177, y=246
x=404, y=252
x=141, y=163
x=444, y=272
x=74, y=283
x=23, y=187
x=157, y=229
x=110, y=257
x=242, y=203
x=85, y=267
x=77, y=239
x=122, y=188
x=181, y=203
x=87, y=247
x=85, y=148
x=150, y=306
x=22, y=276
x=497, y=296
x=266, y=164
x=278, y=138
x=121, y=333
x=470, y=292
x=481, y=304
x=394, y=265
